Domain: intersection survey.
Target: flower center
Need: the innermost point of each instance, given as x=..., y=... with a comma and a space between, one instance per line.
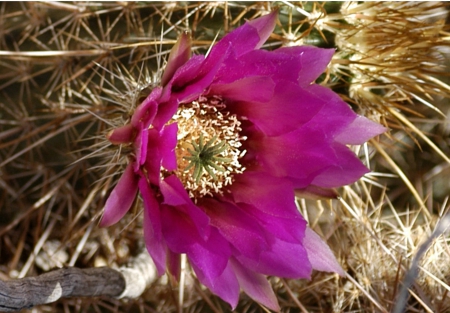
x=208, y=146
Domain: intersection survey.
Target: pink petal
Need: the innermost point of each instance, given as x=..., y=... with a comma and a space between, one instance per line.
x=240, y=229
x=345, y=170
x=141, y=146
x=359, y=131
x=196, y=75
x=146, y=111
x=308, y=157
x=316, y=193
x=319, y=254
x=205, y=75
x=166, y=110
x=178, y=229
x=225, y=285
x=283, y=260
x=174, y=264
x=184, y=75
x=160, y=151
x=272, y=195
x=334, y=115
x=287, y=229
x=187, y=84
x=244, y=89
x=299, y=65
x=121, y=197
x=153, y=160
x=175, y=195
x=313, y=61
x=121, y=135
x=178, y=56
x=168, y=142
x=264, y=26
x=152, y=227
x=247, y=37
x=151, y=206
x=256, y=286
x=173, y=191
x=301, y=155
x=290, y=107
x=210, y=256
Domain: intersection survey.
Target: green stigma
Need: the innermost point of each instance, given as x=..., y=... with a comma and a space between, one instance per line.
x=204, y=158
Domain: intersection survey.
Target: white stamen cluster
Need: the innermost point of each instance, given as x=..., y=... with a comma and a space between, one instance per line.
x=204, y=121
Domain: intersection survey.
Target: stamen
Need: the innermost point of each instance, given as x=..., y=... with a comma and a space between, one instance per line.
x=208, y=148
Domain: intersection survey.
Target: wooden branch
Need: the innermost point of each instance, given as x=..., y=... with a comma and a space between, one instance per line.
x=126, y=282
x=138, y=274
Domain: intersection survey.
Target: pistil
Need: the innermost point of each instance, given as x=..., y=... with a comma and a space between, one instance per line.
x=209, y=146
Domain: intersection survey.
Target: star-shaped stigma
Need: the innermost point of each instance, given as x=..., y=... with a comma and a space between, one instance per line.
x=205, y=157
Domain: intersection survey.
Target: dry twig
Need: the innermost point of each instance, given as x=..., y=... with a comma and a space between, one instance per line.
x=126, y=282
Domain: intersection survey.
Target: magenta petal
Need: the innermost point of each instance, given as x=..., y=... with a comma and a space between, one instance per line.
x=185, y=75
x=151, y=206
x=247, y=37
x=121, y=197
x=316, y=193
x=287, y=229
x=175, y=195
x=191, y=80
x=299, y=65
x=152, y=227
x=313, y=61
x=146, y=111
x=272, y=195
x=239, y=228
x=141, y=146
x=174, y=192
x=270, y=64
x=307, y=157
x=203, y=79
x=256, y=286
x=159, y=151
x=210, y=255
x=290, y=107
x=168, y=142
x=283, y=259
x=152, y=163
x=359, y=131
x=264, y=26
x=174, y=264
x=319, y=254
x=178, y=229
x=244, y=89
x=347, y=169
x=335, y=115
x=187, y=84
x=271, y=203
x=165, y=112
x=121, y=135
x=299, y=154
x=225, y=285
x=178, y=56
